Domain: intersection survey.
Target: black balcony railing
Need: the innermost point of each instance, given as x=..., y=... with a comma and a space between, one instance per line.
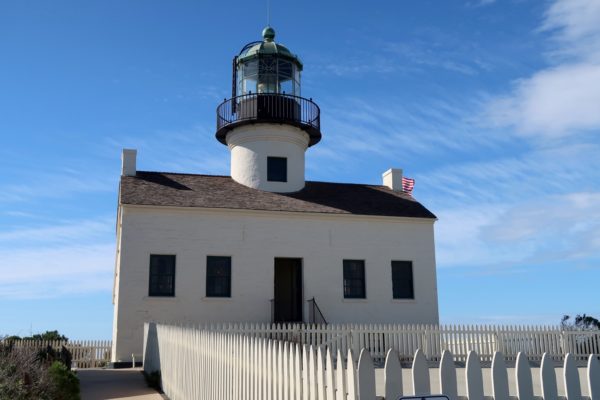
x=269, y=107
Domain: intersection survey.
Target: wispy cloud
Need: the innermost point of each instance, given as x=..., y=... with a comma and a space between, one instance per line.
x=57, y=271
x=389, y=127
x=193, y=150
x=435, y=53
x=556, y=102
x=575, y=27
x=515, y=212
x=480, y=3
x=57, y=259
x=536, y=201
x=18, y=214
x=79, y=231
x=52, y=185
x=523, y=234
x=561, y=100
x=512, y=178
x=425, y=50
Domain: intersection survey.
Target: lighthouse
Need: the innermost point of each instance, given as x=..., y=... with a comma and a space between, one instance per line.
x=264, y=244
x=267, y=124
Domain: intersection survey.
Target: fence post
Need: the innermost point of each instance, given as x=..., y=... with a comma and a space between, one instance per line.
x=593, y=375
x=523, y=374
x=366, y=376
x=571, y=375
x=474, y=377
x=320, y=374
x=420, y=374
x=500, y=378
x=392, y=375
x=351, y=377
x=305, y=383
x=329, y=376
x=448, y=376
x=340, y=381
x=548, y=378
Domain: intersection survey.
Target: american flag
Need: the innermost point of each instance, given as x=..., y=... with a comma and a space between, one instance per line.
x=408, y=185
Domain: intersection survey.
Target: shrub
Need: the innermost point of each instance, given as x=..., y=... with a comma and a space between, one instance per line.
x=24, y=375
x=49, y=355
x=64, y=381
x=48, y=335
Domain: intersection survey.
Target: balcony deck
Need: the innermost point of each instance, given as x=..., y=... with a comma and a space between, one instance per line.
x=269, y=107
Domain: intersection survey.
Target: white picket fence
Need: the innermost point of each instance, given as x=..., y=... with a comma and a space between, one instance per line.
x=204, y=364
x=432, y=339
x=84, y=353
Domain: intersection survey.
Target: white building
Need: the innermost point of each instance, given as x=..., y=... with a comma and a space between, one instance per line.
x=264, y=244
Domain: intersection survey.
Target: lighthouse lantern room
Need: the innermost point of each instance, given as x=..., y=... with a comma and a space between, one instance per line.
x=266, y=124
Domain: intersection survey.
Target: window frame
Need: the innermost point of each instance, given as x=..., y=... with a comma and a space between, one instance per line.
x=362, y=279
x=272, y=175
x=210, y=292
x=395, y=289
x=152, y=293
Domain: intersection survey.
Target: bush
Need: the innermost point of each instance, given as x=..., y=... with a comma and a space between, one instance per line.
x=49, y=355
x=24, y=375
x=49, y=335
x=65, y=382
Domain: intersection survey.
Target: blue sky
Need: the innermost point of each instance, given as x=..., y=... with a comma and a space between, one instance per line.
x=492, y=106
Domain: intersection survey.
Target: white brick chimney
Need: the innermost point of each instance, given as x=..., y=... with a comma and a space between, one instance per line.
x=392, y=178
x=128, y=162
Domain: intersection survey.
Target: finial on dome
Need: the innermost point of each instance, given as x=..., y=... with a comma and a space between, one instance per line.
x=268, y=34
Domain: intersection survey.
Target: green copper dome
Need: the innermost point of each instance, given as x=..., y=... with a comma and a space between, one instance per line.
x=268, y=33
x=268, y=47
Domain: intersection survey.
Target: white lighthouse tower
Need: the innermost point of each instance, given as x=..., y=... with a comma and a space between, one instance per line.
x=266, y=124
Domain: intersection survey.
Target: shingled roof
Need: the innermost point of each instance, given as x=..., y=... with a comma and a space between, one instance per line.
x=211, y=191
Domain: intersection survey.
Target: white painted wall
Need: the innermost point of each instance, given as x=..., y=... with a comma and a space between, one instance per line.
x=250, y=146
x=253, y=239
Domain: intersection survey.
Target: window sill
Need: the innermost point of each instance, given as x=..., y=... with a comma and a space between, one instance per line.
x=217, y=299
x=403, y=301
x=355, y=300
x=162, y=298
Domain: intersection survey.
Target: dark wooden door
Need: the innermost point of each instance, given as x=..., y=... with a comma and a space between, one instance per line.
x=288, y=290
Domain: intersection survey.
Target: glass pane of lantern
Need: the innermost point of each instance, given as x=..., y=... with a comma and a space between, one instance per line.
x=287, y=87
x=249, y=85
x=267, y=65
x=250, y=68
x=239, y=85
x=267, y=84
x=285, y=69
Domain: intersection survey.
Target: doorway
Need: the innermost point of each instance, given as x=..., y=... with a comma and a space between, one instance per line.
x=288, y=290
